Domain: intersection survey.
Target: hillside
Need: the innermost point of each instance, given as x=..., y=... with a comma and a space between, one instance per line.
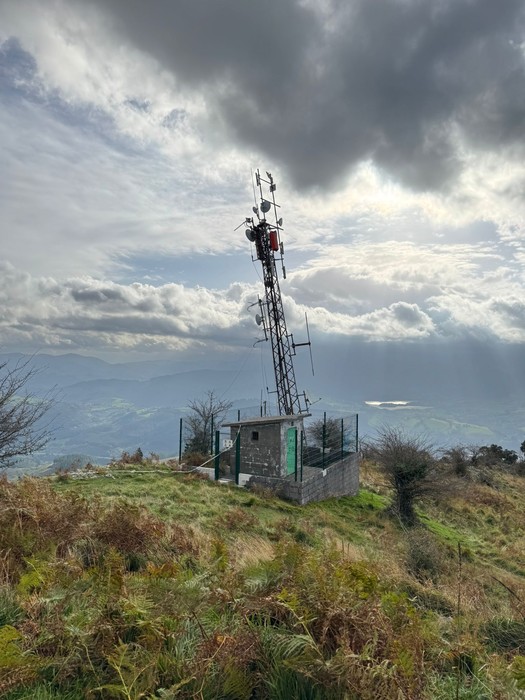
x=148, y=583
x=102, y=409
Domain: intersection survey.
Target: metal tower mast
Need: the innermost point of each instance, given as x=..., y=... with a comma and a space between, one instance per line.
x=266, y=238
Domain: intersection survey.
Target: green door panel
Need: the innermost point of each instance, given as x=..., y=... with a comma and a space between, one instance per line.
x=291, y=450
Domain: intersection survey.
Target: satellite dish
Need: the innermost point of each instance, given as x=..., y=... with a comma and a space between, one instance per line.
x=265, y=206
x=258, y=319
x=250, y=234
x=255, y=210
x=280, y=222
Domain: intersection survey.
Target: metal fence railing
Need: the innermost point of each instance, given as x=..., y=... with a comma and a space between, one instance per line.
x=329, y=440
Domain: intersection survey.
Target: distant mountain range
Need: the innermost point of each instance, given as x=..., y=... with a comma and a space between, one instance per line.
x=462, y=392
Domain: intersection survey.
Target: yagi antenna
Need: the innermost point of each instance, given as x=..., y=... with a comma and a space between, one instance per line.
x=308, y=342
x=253, y=186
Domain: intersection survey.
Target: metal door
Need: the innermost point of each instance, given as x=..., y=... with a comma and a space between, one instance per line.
x=291, y=450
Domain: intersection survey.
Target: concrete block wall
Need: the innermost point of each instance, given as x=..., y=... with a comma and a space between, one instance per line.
x=341, y=479
x=208, y=471
x=262, y=456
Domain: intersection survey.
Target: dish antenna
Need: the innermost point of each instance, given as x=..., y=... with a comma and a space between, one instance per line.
x=265, y=206
x=258, y=319
x=250, y=234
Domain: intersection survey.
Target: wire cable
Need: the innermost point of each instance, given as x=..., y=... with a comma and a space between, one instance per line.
x=243, y=364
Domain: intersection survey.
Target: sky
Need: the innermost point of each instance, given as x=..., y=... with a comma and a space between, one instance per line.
x=129, y=131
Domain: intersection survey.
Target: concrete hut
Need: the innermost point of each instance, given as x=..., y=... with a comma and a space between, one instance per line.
x=266, y=446
x=268, y=451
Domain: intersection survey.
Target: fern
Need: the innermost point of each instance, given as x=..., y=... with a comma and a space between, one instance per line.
x=35, y=577
x=518, y=671
x=300, y=647
x=11, y=654
x=131, y=665
x=16, y=666
x=237, y=684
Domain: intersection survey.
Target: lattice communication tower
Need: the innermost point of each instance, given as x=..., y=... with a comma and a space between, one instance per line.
x=269, y=249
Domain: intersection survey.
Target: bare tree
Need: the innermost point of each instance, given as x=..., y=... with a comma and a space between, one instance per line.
x=21, y=429
x=206, y=414
x=325, y=431
x=410, y=469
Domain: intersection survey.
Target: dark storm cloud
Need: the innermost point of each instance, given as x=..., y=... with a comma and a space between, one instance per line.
x=319, y=87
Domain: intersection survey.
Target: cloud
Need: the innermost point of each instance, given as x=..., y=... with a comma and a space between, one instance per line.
x=82, y=312
x=128, y=134
x=401, y=290
x=399, y=321
x=86, y=312
x=376, y=292
x=407, y=84
x=78, y=197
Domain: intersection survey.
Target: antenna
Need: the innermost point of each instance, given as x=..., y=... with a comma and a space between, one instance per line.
x=308, y=342
x=253, y=187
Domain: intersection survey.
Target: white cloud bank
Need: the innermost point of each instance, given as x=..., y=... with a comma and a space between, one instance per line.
x=119, y=146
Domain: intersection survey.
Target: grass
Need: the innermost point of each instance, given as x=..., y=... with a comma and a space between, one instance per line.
x=359, y=521
x=160, y=584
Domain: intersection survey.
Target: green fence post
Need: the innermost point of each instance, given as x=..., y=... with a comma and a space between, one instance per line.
x=357, y=432
x=342, y=437
x=217, y=454
x=302, y=443
x=295, y=457
x=180, y=441
x=211, y=435
x=238, y=456
x=238, y=414
x=324, y=436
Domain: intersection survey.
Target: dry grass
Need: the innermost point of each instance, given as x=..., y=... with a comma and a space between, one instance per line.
x=350, y=551
x=249, y=550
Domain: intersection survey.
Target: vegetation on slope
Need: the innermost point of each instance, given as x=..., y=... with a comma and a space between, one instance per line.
x=147, y=583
